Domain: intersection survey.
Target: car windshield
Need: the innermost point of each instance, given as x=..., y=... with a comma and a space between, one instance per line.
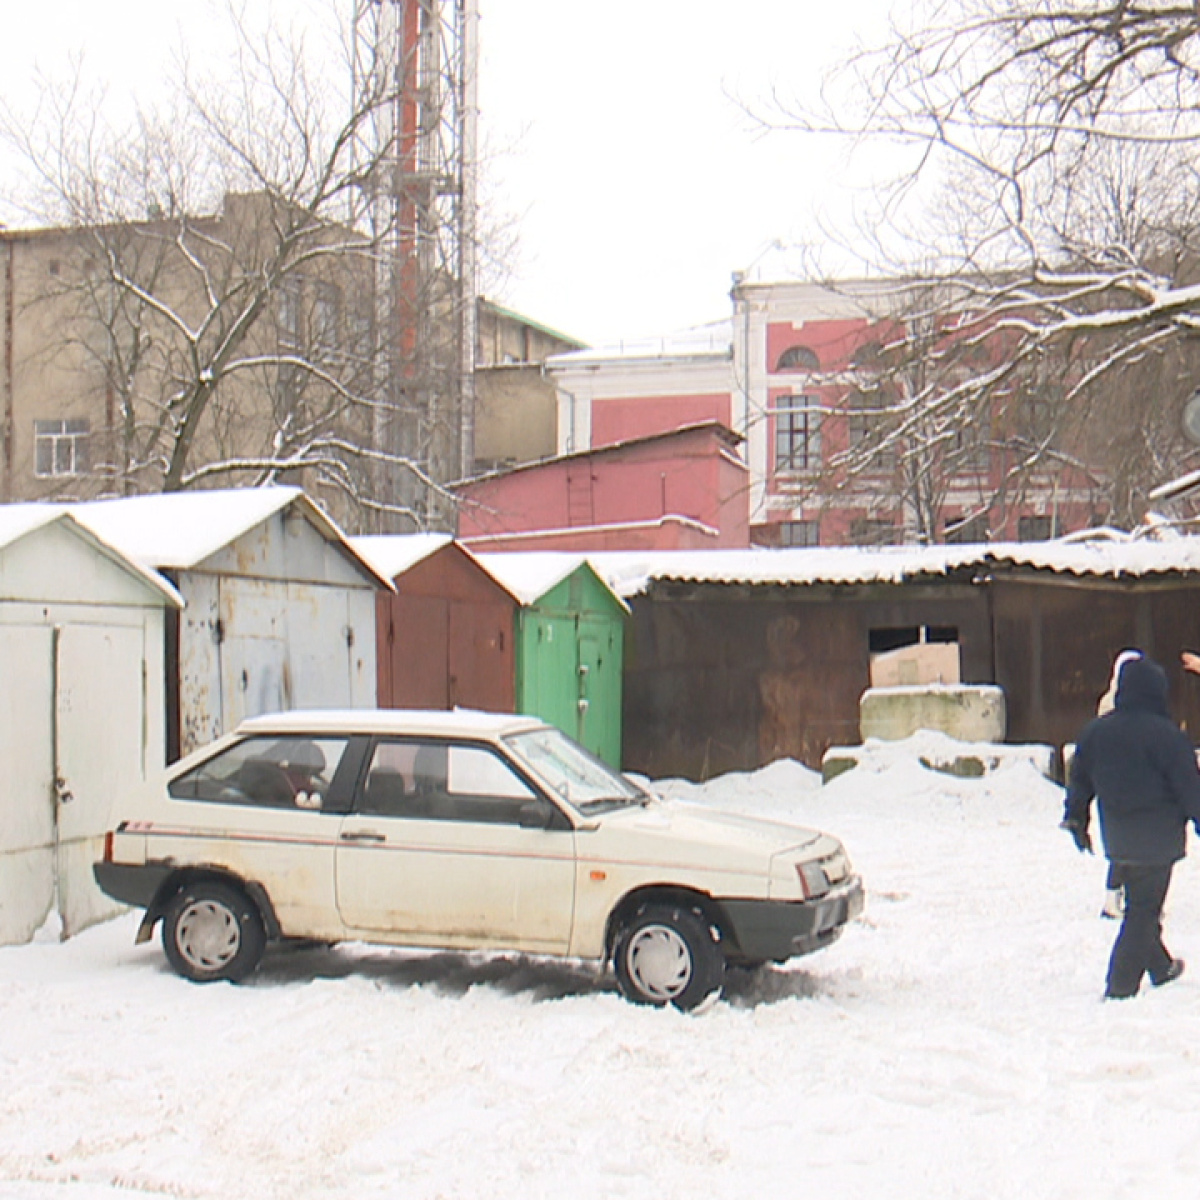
x=578, y=777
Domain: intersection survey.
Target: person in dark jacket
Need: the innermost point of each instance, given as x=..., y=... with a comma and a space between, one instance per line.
x=1114, y=889
x=1142, y=770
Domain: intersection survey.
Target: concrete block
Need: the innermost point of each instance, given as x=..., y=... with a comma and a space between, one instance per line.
x=967, y=712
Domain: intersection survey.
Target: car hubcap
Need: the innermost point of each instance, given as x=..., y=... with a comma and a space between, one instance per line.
x=208, y=935
x=659, y=962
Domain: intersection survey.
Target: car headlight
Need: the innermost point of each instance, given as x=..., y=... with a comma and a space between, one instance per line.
x=813, y=880
x=836, y=866
x=818, y=875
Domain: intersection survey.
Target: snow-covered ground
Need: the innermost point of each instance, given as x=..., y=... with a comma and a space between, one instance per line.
x=952, y=1044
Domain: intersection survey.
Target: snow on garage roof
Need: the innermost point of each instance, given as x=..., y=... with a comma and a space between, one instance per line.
x=630, y=573
x=529, y=574
x=392, y=554
x=18, y=520
x=179, y=530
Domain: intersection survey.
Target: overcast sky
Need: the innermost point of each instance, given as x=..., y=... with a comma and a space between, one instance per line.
x=637, y=185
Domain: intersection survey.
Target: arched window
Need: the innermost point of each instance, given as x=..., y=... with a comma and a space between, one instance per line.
x=798, y=358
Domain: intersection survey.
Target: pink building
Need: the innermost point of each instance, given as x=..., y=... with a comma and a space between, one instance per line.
x=794, y=372
x=685, y=488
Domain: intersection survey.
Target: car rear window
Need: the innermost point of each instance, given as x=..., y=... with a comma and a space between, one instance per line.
x=266, y=772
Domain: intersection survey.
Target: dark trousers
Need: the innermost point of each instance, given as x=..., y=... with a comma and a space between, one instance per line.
x=1139, y=949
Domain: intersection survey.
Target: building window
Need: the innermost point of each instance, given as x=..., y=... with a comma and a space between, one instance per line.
x=1038, y=529
x=327, y=307
x=288, y=300
x=799, y=533
x=288, y=391
x=971, y=453
x=1040, y=413
x=797, y=434
x=872, y=531
x=868, y=429
x=60, y=447
x=959, y=532
x=798, y=358
x=360, y=325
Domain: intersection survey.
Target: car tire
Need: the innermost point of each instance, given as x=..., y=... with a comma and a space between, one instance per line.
x=668, y=955
x=212, y=930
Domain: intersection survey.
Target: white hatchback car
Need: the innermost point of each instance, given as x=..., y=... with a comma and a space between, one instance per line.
x=464, y=830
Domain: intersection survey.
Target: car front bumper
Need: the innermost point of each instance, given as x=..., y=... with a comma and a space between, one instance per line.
x=777, y=930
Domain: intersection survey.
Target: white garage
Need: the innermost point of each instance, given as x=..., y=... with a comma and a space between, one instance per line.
x=81, y=709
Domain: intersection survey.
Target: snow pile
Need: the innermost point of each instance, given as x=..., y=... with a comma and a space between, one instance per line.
x=952, y=1044
x=771, y=792
x=937, y=751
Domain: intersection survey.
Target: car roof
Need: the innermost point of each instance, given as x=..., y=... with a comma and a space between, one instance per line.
x=459, y=722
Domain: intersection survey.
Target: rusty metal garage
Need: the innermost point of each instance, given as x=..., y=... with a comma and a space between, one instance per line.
x=739, y=657
x=446, y=637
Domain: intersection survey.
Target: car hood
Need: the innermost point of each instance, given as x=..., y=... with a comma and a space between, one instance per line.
x=693, y=829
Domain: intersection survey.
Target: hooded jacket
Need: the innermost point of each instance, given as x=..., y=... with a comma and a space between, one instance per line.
x=1141, y=768
x=1109, y=699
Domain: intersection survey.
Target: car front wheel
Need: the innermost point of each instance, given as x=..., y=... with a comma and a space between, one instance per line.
x=211, y=930
x=668, y=955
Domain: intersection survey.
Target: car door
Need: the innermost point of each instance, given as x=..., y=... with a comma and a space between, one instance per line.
x=449, y=845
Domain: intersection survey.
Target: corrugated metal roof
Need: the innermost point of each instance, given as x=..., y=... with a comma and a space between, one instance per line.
x=632, y=573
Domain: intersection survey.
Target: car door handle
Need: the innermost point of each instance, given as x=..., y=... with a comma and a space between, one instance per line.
x=365, y=836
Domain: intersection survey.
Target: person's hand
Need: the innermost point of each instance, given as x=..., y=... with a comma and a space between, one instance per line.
x=1079, y=831
x=1190, y=661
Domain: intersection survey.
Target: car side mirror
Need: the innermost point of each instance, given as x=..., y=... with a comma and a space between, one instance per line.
x=535, y=815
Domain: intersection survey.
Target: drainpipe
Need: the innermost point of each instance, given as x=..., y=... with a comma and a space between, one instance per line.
x=739, y=301
x=759, y=486
x=572, y=401
x=6, y=428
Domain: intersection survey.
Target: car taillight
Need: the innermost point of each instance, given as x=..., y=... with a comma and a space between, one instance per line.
x=108, y=846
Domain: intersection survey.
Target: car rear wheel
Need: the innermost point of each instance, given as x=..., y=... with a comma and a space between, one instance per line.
x=212, y=930
x=668, y=955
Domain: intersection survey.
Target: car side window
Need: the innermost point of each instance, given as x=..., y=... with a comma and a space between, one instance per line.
x=444, y=781
x=266, y=772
